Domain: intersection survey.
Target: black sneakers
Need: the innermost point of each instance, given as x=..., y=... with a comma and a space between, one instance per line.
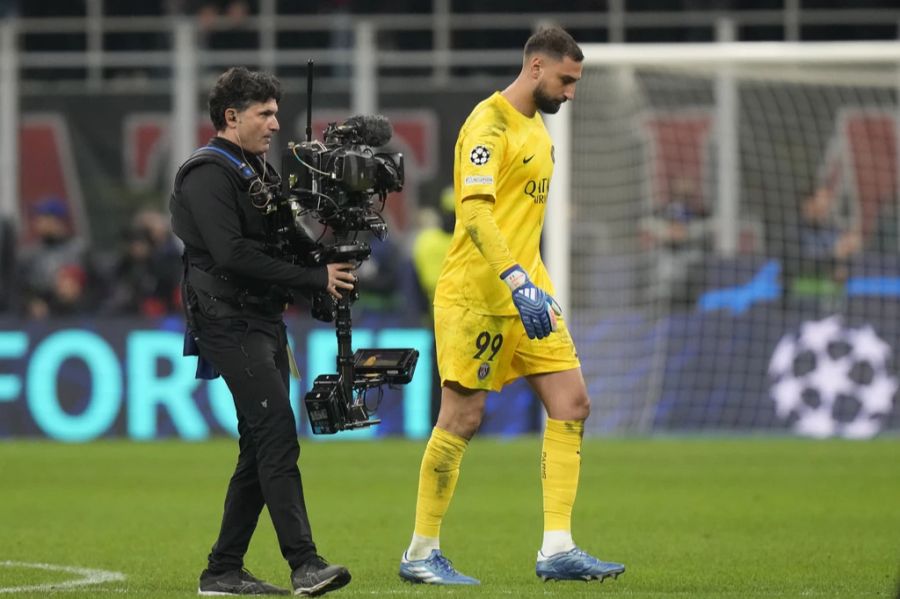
x=237, y=582
x=316, y=577
x=313, y=578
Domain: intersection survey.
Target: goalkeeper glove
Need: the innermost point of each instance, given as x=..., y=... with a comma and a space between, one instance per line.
x=537, y=308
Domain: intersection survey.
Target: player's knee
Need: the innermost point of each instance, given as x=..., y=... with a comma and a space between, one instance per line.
x=461, y=410
x=581, y=407
x=463, y=423
x=470, y=422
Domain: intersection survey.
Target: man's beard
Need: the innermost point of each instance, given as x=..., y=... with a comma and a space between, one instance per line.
x=544, y=103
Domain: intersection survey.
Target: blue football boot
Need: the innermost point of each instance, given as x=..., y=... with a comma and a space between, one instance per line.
x=575, y=565
x=434, y=569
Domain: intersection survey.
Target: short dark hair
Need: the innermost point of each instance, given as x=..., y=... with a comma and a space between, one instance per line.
x=555, y=42
x=237, y=88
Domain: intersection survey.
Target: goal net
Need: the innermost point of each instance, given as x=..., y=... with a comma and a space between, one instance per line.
x=732, y=251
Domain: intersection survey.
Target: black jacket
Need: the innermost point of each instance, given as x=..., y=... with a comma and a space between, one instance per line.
x=224, y=234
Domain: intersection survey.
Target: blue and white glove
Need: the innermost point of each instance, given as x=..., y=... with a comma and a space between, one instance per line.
x=537, y=308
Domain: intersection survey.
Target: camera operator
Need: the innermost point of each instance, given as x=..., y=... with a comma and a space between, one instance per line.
x=236, y=288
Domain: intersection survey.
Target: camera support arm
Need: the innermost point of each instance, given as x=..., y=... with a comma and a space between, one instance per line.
x=345, y=359
x=337, y=401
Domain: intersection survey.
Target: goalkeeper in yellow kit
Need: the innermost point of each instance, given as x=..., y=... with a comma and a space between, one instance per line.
x=495, y=317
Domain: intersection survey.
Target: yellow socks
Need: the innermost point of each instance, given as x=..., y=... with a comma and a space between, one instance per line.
x=437, y=481
x=560, y=467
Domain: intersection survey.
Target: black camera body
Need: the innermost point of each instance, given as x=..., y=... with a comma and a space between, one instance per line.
x=338, y=182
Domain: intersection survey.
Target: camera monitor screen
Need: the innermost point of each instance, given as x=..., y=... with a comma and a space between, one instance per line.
x=396, y=365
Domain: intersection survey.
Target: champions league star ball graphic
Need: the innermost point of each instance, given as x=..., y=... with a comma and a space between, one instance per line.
x=479, y=155
x=832, y=380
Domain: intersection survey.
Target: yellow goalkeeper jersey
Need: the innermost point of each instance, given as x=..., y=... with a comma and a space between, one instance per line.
x=503, y=154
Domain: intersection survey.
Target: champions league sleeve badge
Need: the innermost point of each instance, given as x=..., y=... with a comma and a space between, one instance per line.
x=479, y=155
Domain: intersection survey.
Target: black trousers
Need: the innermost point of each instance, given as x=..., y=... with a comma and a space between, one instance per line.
x=251, y=355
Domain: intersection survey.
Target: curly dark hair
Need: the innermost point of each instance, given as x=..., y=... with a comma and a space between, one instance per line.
x=237, y=88
x=555, y=42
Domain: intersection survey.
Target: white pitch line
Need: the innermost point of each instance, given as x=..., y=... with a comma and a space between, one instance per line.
x=88, y=576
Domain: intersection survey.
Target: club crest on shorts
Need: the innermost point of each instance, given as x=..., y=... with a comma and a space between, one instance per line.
x=483, y=371
x=479, y=155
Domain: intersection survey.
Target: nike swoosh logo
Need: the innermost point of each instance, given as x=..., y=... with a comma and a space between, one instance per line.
x=527, y=160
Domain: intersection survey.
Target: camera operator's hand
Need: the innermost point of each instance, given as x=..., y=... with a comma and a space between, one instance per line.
x=340, y=276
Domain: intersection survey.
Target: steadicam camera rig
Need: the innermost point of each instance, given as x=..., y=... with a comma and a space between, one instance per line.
x=343, y=183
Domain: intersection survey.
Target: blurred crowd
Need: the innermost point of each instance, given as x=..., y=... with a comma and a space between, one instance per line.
x=818, y=241
x=54, y=272
x=225, y=24
x=228, y=25
x=47, y=270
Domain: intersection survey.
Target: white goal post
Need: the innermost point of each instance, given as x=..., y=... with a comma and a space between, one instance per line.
x=700, y=55
x=744, y=133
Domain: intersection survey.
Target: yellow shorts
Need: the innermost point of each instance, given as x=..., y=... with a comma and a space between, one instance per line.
x=487, y=352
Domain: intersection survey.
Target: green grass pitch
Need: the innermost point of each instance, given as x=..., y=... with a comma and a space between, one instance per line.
x=691, y=518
